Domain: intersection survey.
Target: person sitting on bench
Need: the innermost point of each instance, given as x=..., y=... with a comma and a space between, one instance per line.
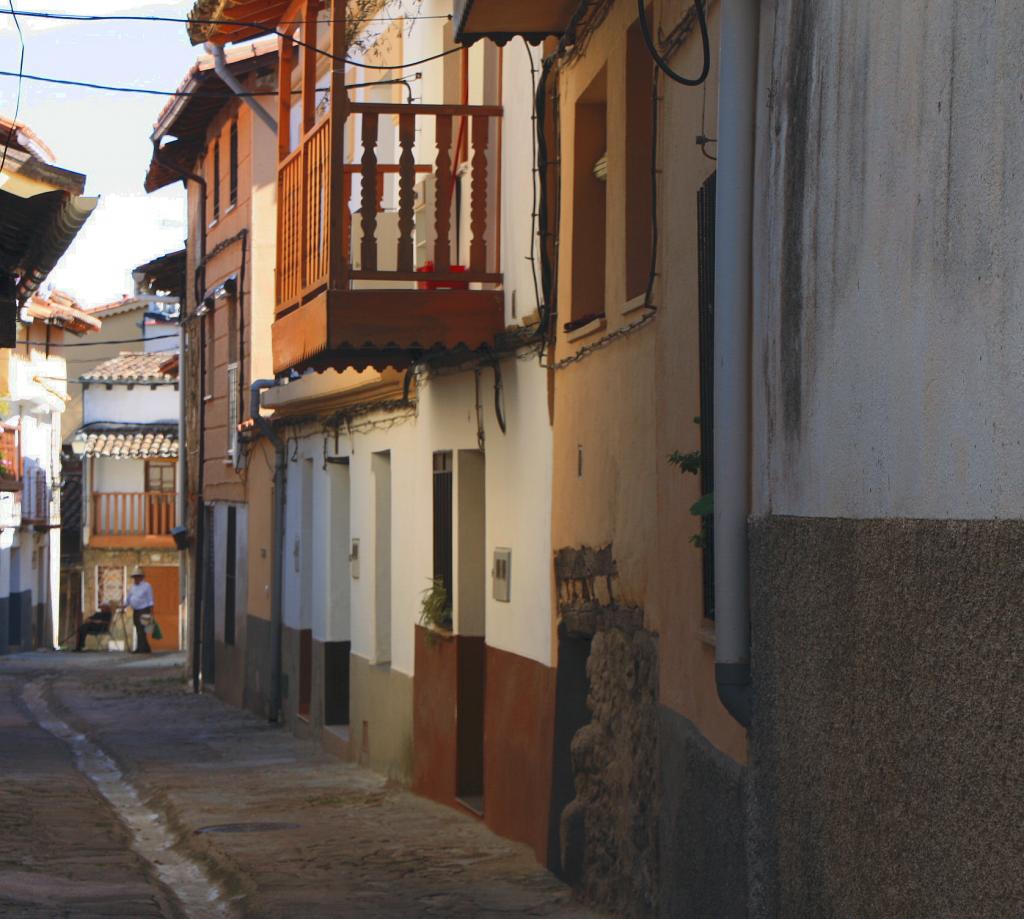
x=97, y=624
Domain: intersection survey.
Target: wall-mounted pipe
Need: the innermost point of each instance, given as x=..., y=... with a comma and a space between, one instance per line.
x=277, y=537
x=733, y=253
x=221, y=68
x=184, y=380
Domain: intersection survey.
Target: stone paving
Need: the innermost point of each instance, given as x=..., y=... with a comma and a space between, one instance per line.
x=341, y=841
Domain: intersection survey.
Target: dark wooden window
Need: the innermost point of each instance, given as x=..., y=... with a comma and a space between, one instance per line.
x=160, y=477
x=706, y=335
x=639, y=164
x=443, y=482
x=233, y=165
x=215, y=184
x=230, y=579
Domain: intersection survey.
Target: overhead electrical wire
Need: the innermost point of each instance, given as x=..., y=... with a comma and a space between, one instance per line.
x=263, y=27
x=96, y=344
x=140, y=90
x=17, y=103
x=702, y=22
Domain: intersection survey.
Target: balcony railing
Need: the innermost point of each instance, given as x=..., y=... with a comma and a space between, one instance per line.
x=137, y=513
x=37, y=505
x=10, y=460
x=307, y=262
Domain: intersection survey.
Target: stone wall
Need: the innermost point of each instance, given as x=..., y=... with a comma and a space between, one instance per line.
x=609, y=831
x=885, y=743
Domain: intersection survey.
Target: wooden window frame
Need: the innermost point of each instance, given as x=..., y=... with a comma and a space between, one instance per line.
x=233, y=164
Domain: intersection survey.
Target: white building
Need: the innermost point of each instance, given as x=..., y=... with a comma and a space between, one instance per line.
x=129, y=441
x=33, y=377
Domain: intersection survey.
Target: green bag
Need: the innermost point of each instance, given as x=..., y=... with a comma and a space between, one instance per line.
x=157, y=634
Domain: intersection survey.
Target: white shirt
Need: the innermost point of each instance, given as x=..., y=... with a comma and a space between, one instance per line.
x=139, y=596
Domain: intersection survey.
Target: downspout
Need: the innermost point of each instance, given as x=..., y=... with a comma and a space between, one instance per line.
x=732, y=381
x=183, y=381
x=220, y=67
x=277, y=546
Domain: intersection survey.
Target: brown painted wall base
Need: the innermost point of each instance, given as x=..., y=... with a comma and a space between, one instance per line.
x=518, y=729
x=519, y=718
x=435, y=715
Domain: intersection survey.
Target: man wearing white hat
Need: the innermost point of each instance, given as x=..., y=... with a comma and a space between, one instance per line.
x=140, y=599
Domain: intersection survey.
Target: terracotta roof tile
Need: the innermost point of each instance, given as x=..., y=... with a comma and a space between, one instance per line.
x=134, y=367
x=62, y=309
x=133, y=443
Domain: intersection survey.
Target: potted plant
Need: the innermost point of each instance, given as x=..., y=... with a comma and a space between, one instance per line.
x=435, y=611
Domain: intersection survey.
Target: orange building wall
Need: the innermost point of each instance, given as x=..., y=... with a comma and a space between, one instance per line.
x=626, y=407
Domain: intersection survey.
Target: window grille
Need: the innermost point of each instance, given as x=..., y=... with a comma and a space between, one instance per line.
x=233, y=418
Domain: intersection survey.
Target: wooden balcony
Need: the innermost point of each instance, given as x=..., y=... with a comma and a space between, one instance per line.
x=141, y=519
x=368, y=270
x=10, y=460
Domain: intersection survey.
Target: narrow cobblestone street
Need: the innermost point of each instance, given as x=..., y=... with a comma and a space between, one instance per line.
x=126, y=795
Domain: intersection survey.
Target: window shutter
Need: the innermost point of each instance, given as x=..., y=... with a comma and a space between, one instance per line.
x=706, y=334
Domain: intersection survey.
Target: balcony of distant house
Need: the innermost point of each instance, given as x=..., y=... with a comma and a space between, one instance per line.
x=10, y=457
x=130, y=485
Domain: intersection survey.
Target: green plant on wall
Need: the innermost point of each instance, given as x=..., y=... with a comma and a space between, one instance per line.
x=435, y=611
x=704, y=506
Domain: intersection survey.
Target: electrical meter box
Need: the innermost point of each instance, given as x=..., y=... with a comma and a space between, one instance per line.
x=501, y=574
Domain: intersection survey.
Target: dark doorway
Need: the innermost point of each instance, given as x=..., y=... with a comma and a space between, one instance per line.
x=471, y=591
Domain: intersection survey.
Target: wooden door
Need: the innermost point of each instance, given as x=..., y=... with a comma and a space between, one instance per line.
x=164, y=580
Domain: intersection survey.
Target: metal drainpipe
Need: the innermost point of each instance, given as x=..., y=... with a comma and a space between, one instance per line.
x=220, y=67
x=733, y=250
x=183, y=380
x=277, y=545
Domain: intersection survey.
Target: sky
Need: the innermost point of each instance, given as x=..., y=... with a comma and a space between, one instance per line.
x=103, y=135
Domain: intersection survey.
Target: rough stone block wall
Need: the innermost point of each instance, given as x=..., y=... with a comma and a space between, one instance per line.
x=609, y=831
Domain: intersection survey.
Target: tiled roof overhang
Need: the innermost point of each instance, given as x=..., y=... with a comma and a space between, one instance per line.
x=224, y=21
x=62, y=310
x=164, y=274
x=151, y=441
x=41, y=211
x=135, y=368
x=186, y=118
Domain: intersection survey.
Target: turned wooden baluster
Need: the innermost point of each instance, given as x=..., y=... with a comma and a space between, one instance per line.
x=346, y=220
x=443, y=191
x=478, y=200
x=406, y=190
x=369, y=193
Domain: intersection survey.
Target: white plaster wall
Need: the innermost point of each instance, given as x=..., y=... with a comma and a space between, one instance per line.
x=889, y=302
x=518, y=484
x=263, y=245
x=519, y=510
x=138, y=404
x=110, y=474
x=517, y=179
